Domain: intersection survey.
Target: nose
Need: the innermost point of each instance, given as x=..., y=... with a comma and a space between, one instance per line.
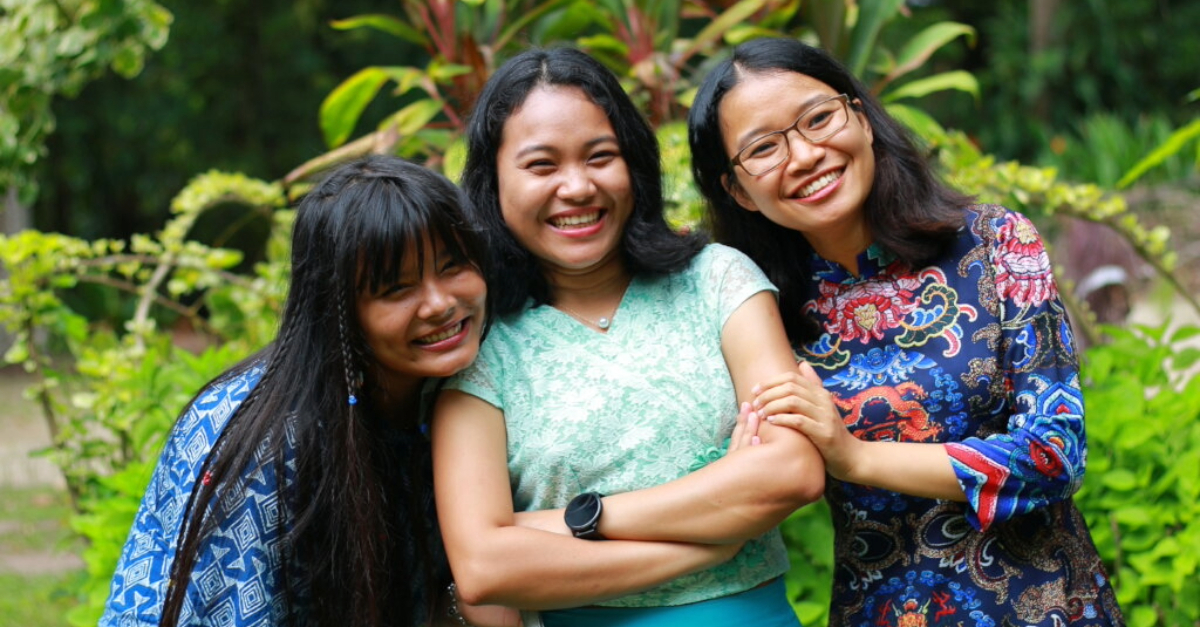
x=803, y=155
x=576, y=184
x=437, y=301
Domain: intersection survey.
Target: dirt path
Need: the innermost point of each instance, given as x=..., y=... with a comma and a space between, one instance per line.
x=23, y=431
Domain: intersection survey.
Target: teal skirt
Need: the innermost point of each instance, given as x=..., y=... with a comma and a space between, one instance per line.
x=764, y=606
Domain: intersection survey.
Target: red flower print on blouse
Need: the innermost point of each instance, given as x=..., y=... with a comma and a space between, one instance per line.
x=867, y=310
x=1022, y=265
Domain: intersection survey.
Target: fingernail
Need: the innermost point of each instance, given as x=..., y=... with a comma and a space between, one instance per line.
x=756, y=389
x=754, y=441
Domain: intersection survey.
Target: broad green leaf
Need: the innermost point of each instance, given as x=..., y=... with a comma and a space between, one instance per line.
x=1174, y=144
x=920, y=123
x=455, y=160
x=958, y=79
x=1120, y=479
x=828, y=19
x=917, y=51
x=413, y=117
x=716, y=29
x=606, y=43
x=344, y=105
x=872, y=15
x=446, y=71
x=1134, y=515
x=384, y=23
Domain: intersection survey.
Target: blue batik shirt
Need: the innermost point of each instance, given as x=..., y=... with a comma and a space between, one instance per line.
x=237, y=579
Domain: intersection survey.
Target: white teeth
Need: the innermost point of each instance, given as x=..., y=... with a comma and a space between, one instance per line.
x=819, y=184
x=444, y=335
x=575, y=221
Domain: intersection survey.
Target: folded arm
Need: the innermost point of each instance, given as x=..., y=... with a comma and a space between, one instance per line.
x=742, y=495
x=494, y=561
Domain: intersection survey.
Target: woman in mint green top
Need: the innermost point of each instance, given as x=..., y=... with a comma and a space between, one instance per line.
x=618, y=356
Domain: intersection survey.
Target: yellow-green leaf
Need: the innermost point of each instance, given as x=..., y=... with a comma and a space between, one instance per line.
x=344, y=105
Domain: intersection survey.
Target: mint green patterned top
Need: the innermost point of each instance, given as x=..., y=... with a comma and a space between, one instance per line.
x=644, y=404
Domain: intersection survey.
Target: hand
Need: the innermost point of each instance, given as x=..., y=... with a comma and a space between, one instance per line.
x=549, y=520
x=799, y=400
x=745, y=433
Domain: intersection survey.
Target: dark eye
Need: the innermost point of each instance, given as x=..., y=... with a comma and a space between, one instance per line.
x=603, y=156
x=540, y=166
x=762, y=148
x=451, y=265
x=393, y=290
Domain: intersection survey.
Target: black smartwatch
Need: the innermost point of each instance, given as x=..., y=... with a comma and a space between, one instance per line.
x=583, y=516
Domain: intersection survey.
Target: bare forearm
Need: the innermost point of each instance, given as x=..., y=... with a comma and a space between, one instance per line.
x=530, y=569
x=910, y=468
x=736, y=498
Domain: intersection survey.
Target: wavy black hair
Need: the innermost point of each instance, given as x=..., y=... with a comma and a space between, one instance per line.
x=910, y=212
x=648, y=245
x=361, y=545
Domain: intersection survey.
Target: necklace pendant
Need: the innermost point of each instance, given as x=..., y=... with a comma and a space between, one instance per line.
x=603, y=323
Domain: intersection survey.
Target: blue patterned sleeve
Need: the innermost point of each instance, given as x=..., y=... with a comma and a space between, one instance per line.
x=235, y=580
x=1040, y=458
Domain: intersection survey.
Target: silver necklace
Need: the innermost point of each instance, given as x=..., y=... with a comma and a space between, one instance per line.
x=602, y=323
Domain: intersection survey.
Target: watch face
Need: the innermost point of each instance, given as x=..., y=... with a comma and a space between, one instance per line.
x=583, y=511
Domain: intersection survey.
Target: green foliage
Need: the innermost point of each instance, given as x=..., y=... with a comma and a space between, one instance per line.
x=51, y=47
x=1108, y=151
x=809, y=537
x=111, y=399
x=1141, y=497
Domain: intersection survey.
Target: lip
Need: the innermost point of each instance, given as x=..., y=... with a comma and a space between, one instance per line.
x=451, y=342
x=794, y=193
x=579, y=232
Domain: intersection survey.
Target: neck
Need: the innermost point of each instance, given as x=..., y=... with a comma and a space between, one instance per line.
x=397, y=402
x=599, y=285
x=842, y=247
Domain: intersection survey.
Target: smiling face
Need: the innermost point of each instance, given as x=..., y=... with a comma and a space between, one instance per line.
x=565, y=189
x=821, y=188
x=428, y=323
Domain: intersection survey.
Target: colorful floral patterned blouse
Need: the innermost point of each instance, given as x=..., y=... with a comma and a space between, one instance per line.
x=974, y=351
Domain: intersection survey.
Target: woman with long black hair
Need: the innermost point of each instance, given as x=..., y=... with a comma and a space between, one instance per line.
x=296, y=488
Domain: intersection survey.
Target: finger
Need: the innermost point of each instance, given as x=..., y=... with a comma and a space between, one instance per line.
x=792, y=421
x=790, y=376
x=753, y=420
x=791, y=404
x=808, y=373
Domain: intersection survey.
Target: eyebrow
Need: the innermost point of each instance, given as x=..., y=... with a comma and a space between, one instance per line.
x=548, y=148
x=759, y=131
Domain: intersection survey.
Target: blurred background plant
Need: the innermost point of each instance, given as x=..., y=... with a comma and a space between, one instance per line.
x=118, y=321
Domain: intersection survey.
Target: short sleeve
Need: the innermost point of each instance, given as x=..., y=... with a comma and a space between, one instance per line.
x=1040, y=457
x=736, y=278
x=482, y=378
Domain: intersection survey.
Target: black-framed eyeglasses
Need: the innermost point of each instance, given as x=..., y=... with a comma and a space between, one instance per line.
x=817, y=124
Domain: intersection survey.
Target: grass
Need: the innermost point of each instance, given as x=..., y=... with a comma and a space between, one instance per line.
x=33, y=530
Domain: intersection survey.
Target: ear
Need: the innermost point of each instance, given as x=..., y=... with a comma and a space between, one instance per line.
x=863, y=120
x=739, y=195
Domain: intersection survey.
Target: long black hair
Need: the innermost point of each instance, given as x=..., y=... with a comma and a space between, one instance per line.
x=648, y=245
x=361, y=546
x=910, y=212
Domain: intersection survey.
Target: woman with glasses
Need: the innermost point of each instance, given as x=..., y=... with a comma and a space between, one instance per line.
x=939, y=376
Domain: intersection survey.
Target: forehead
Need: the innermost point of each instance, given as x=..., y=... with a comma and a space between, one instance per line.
x=553, y=113
x=765, y=102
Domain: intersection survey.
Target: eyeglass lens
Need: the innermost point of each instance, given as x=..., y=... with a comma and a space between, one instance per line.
x=819, y=123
